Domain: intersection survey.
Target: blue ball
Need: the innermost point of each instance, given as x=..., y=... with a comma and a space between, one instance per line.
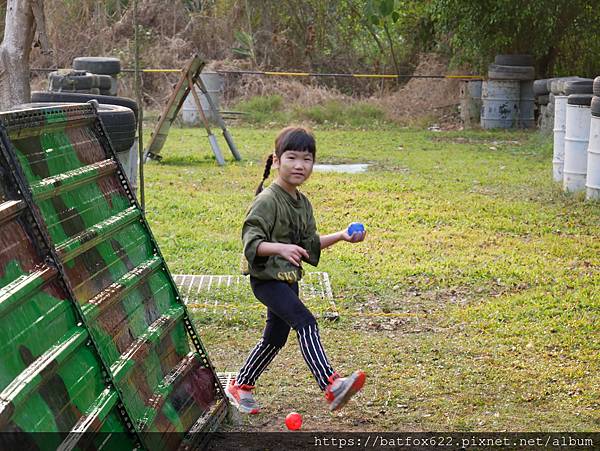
x=355, y=227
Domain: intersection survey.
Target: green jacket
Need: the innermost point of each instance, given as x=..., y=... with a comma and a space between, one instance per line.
x=276, y=217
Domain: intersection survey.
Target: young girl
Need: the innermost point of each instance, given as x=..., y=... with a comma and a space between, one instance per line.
x=279, y=233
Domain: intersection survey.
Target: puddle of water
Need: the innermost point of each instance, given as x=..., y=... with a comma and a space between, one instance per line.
x=344, y=168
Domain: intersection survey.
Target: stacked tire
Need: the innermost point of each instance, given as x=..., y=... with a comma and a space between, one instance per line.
x=81, y=82
x=545, y=91
x=95, y=78
x=90, y=75
x=541, y=91
x=507, y=95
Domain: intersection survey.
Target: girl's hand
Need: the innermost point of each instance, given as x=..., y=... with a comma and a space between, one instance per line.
x=292, y=253
x=356, y=237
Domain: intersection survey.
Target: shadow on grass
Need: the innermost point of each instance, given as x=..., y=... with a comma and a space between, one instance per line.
x=194, y=160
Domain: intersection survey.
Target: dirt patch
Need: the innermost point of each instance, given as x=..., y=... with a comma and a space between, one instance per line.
x=294, y=91
x=434, y=101
x=473, y=140
x=417, y=311
x=424, y=96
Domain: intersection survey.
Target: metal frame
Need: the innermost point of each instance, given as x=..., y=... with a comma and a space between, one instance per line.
x=190, y=77
x=53, y=261
x=88, y=114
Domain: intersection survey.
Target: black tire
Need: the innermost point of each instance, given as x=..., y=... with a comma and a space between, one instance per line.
x=514, y=60
x=549, y=84
x=596, y=86
x=581, y=86
x=557, y=87
x=75, y=80
x=112, y=90
x=40, y=96
x=498, y=72
x=580, y=99
x=103, y=82
x=120, y=125
x=543, y=100
x=540, y=87
x=558, y=84
x=550, y=80
x=92, y=91
x=119, y=122
x=79, y=82
x=98, y=64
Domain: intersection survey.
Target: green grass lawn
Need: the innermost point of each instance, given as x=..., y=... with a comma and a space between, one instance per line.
x=473, y=304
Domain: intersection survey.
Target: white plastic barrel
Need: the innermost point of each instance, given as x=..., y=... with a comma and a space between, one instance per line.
x=499, y=103
x=560, y=119
x=577, y=135
x=213, y=82
x=593, y=161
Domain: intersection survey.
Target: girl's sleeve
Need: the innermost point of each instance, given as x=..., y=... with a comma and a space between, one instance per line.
x=257, y=228
x=311, y=240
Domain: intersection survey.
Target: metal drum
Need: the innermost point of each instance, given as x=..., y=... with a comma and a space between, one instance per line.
x=470, y=102
x=499, y=103
x=213, y=82
x=593, y=161
x=560, y=118
x=577, y=135
x=526, y=105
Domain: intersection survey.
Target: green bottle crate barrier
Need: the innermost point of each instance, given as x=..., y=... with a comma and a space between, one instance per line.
x=98, y=347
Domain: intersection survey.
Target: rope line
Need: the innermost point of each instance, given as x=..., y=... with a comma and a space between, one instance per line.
x=299, y=74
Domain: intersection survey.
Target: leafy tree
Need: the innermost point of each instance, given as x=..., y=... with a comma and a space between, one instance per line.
x=402, y=26
x=561, y=34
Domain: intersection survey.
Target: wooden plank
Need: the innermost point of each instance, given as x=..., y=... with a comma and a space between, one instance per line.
x=180, y=92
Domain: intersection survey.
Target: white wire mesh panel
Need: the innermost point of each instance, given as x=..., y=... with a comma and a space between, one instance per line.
x=231, y=296
x=226, y=377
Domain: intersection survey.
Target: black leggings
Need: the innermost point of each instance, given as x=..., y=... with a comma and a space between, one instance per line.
x=285, y=310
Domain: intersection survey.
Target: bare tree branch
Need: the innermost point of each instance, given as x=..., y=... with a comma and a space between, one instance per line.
x=37, y=6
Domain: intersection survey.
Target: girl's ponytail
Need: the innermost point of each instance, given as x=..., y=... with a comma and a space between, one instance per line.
x=268, y=165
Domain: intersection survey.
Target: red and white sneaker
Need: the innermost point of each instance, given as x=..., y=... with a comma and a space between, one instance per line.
x=341, y=389
x=242, y=398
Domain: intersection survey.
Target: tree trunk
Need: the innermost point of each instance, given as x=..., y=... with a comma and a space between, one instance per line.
x=22, y=16
x=391, y=42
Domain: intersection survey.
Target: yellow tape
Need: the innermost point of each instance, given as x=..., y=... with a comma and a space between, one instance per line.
x=308, y=74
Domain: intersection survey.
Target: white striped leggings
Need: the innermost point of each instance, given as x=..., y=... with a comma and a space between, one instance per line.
x=285, y=310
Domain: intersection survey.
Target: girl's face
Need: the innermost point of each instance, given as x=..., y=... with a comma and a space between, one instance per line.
x=294, y=166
